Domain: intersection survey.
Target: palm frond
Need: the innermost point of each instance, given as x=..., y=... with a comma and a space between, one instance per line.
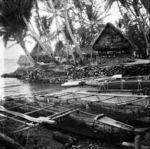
x=11, y=17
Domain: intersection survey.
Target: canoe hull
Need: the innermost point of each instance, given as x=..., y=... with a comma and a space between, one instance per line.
x=78, y=127
x=128, y=85
x=123, y=113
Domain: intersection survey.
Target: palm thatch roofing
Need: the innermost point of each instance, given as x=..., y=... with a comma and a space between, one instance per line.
x=37, y=51
x=111, y=39
x=23, y=61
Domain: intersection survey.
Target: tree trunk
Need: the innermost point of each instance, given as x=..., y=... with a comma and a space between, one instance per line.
x=37, y=39
x=51, y=4
x=38, y=18
x=31, y=60
x=143, y=31
x=71, y=34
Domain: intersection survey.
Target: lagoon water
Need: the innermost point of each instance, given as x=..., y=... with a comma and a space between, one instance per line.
x=12, y=86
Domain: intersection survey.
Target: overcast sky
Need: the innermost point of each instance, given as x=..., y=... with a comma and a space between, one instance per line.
x=15, y=51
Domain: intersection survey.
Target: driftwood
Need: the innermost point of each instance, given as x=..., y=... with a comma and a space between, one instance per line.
x=9, y=142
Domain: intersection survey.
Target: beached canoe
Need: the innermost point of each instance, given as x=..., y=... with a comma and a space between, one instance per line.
x=126, y=83
x=131, y=114
x=95, y=126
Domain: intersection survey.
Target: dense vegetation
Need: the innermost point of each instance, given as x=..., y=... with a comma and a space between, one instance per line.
x=77, y=23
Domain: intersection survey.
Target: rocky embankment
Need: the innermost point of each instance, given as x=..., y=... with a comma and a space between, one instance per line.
x=60, y=75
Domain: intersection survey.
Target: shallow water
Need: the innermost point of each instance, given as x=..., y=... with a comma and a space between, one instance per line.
x=13, y=86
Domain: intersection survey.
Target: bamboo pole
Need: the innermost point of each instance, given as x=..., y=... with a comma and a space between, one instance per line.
x=26, y=117
x=137, y=143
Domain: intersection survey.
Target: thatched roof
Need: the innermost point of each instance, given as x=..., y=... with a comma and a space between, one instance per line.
x=23, y=61
x=111, y=39
x=37, y=51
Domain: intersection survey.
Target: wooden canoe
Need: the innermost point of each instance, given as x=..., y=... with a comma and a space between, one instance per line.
x=95, y=126
x=132, y=109
x=120, y=84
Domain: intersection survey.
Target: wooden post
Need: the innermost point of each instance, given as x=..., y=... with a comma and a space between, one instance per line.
x=137, y=141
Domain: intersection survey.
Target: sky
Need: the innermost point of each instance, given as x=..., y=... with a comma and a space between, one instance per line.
x=15, y=51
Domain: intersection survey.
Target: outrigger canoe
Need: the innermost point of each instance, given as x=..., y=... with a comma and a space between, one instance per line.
x=122, y=83
x=131, y=109
x=97, y=126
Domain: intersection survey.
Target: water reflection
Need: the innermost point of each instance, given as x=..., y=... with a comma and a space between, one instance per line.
x=11, y=86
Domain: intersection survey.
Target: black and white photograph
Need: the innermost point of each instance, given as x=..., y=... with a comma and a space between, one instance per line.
x=74, y=74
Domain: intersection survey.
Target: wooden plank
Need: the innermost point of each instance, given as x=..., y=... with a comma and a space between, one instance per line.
x=109, y=121
x=17, y=120
x=71, y=98
x=59, y=113
x=26, y=117
x=107, y=98
x=56, y=95
x=20, y=105
x=131, y=101
x=23, y=128
x=117, y=95
x=47, y=110
x=38, y=109
x=19, y=130
x=65, y=114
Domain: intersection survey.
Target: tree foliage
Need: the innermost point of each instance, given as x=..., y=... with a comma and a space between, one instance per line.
x=90, y=19
x=12, y=14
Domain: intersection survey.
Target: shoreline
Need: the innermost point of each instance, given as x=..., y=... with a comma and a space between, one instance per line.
x=58, y=75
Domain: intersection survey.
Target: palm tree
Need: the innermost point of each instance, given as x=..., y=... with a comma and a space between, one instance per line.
x=52, y=5
x=12, y=24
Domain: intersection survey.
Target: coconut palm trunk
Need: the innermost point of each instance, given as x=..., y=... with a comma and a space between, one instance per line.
x=30, y=59
x=71, y=34
x=51, y=4
x=142, y=29
x=36, y=37
x=38, y=21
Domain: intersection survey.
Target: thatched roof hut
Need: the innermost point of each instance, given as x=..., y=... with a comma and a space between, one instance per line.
x=40, y=55
x=37, y=51
x=23, y=61
x=112, y=39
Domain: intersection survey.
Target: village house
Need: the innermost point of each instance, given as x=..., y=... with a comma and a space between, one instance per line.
x=112, y=44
